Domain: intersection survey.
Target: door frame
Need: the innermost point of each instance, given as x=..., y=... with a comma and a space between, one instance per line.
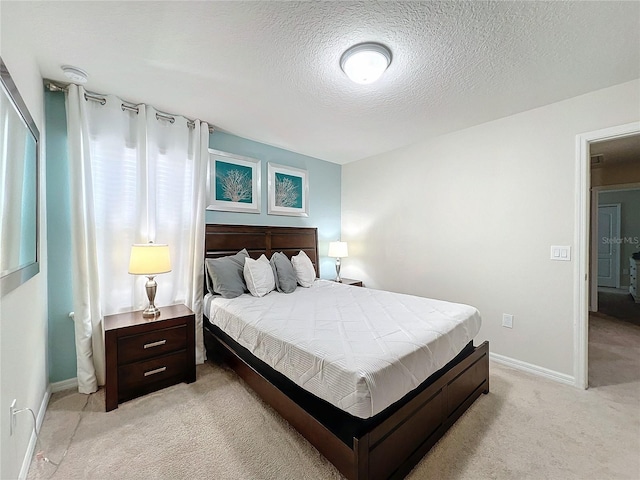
x=581, y=239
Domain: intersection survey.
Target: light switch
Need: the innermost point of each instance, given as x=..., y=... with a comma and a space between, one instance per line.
x=561, y=253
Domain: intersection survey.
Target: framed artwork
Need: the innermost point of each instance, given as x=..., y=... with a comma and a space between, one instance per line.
x=233, y=183
x=288, y=191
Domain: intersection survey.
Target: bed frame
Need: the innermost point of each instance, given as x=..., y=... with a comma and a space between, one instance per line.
x=395, y=440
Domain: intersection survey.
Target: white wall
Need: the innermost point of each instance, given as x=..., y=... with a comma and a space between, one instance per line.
x=470, y=217
x=23, y=312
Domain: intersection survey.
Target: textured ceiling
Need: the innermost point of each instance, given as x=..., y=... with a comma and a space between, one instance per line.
x=269, y=71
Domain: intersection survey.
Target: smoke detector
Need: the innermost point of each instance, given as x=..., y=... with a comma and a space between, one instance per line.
x=75, y=74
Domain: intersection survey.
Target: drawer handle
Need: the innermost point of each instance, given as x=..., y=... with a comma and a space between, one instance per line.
x=153, y=372
x=155, y=344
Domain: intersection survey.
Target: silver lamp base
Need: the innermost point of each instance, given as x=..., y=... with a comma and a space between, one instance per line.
x=151, y=311
x=338, y=279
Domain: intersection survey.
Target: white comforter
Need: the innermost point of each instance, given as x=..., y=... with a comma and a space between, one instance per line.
x=357, y=348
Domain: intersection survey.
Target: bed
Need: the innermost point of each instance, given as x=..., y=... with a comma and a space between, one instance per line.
x=363, y=440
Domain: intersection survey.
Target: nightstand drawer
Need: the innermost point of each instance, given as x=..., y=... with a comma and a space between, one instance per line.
x=139, y=375
x=147, y=345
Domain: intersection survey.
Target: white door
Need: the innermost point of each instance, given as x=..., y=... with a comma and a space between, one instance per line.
x=608, y=245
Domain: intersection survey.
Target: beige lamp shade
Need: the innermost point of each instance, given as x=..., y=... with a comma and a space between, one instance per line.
x=338, y=249
x=149, y=259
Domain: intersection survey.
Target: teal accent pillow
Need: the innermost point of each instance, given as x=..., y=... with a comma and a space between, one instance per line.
x=225, y=275
x=285, y=276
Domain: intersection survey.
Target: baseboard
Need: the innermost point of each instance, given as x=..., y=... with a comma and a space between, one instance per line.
x=26, y=462
x=64, y=385
x=535, y=369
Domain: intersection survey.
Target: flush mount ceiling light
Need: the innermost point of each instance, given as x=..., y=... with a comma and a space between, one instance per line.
x=366, y=62
x=75, y=74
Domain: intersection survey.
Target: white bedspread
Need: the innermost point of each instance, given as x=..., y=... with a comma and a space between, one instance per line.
x=357, y=348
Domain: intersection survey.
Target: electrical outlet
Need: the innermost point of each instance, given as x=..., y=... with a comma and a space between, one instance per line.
x=507, y=320
x=12, y=420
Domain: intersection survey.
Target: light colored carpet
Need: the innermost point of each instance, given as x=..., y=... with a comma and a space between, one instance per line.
x=217, y=428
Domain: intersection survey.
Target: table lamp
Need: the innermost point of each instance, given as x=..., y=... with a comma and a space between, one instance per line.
x=150, y=259
x=338, y=250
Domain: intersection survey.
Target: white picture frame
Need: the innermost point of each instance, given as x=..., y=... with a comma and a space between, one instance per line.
x=288, y=191
x=233, y=183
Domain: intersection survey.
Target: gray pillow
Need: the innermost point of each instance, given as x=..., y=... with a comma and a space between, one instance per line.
x=283, y=273
x=225, y=275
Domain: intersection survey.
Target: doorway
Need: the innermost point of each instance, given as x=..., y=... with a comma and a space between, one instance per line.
x=586, y=271
x=618, y=241
x=608, y=247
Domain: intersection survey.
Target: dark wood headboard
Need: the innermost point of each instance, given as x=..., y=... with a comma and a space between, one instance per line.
x=222, y=240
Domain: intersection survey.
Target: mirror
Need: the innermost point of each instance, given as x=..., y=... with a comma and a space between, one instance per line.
x=19, y=151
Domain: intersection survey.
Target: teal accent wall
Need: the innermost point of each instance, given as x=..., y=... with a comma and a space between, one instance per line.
x=324, y=193
x=62, y=349
x=324, y=213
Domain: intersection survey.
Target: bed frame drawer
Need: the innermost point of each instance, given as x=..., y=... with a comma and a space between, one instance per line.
x=401, y=442
x=464, y=385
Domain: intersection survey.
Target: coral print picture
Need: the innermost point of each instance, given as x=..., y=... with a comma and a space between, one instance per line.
x=288, y=191
x=234, y=183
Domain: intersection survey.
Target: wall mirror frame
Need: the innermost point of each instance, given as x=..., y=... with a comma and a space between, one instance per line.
x=19, y=194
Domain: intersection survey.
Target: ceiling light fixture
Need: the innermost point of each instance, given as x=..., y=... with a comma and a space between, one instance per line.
x=366, y=62
x=75, y=74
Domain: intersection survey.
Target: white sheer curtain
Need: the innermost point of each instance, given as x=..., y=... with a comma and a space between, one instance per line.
x=135, y=177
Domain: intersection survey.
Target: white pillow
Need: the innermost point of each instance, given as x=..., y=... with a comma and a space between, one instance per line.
x=259, y=276
x=305, y=273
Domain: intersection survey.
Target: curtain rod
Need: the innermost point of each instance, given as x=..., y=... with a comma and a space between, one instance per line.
x=62, y=87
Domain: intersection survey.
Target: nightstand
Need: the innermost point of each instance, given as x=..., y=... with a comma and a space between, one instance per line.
x=351, y=281
x=146, y=354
